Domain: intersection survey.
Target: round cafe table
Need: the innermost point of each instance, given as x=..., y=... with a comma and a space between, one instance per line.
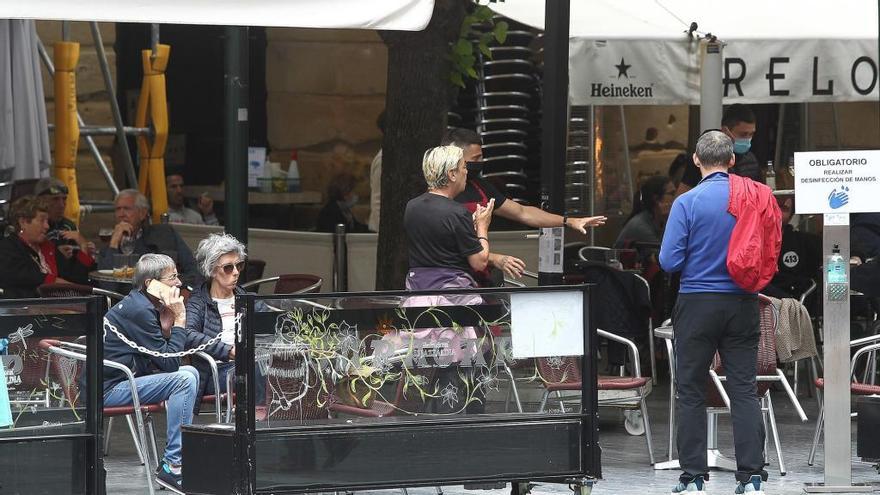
x=107, y=276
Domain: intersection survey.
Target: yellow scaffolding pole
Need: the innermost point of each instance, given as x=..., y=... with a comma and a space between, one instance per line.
x=66, y=125
x=152, y=105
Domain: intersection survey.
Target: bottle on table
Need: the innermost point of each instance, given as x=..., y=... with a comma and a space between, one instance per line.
x=293, y=172
x=770, y=178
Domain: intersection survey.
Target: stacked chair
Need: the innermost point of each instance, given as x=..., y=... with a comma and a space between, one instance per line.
x=503, y=106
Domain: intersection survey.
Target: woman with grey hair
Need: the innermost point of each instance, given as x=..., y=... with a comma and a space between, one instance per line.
x=210, y=309
x=153, y=319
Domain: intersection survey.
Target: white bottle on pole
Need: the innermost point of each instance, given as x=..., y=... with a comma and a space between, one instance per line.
x=293, y=172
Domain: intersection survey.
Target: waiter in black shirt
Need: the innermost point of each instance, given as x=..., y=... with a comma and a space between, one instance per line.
x=479, y=191
x=738, y=122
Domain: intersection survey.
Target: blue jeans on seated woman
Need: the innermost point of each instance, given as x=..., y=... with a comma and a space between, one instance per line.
x=178, y=389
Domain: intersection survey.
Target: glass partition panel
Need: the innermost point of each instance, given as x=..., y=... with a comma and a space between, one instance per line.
x=335, y=358
x=46, y=422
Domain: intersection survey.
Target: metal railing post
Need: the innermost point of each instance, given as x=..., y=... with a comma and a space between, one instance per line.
x=340, y=260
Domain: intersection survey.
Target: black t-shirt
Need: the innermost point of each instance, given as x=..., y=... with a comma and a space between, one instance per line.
x=746, y=165
x=479, y=191
x=440, y=232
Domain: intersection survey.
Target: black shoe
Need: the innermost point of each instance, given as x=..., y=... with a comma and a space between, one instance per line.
x=169, y=480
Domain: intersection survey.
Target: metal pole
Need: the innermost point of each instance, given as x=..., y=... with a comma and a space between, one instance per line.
x=555, y=127
x=780, y=127
x=96, y=154
x=114, y=105
x=65, y=30
x=710, y=85
x=805, y=126
x=154, y=40
x=835, y=125
x=592, y=172
x=236, y=130
x=94, y=130
x=627, y=171
x=836, y=332
x=340, y=260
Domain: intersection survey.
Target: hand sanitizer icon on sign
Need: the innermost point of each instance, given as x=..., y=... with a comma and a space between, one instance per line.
x=837, y=198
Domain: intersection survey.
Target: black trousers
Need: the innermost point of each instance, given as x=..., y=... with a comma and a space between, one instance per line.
x=730, y=324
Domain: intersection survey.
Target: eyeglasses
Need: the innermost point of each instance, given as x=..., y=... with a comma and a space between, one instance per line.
x=227, y=268
x=173, y=276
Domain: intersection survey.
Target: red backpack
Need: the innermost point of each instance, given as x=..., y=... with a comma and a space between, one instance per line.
x=757, y=236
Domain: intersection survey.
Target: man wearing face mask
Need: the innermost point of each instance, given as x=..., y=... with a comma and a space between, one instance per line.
x=478, y=192
x=340, y=200
x=738, y=123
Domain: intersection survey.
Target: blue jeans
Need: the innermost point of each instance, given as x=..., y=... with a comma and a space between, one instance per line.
x=178, y=389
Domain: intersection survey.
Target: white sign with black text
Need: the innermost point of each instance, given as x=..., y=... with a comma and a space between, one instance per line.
x=837, y=181
x=753, y=71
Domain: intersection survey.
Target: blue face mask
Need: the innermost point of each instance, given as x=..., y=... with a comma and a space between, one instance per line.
x=742, y=146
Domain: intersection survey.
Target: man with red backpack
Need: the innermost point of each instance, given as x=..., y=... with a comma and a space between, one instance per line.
x=709, y=229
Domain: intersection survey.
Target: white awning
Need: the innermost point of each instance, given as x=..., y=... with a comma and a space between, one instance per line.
x=741, y=20
x=404, y=15
x=777, y=51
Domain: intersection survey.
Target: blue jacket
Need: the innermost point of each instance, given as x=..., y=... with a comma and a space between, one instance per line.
x=697, y=236
x=137, y=319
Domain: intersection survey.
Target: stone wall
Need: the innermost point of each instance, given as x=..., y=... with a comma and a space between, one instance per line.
x=325, y=90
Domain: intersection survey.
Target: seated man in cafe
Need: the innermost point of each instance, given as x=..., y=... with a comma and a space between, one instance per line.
x=178, y=212
x=133, y=234
x=155, y=319
x=62, y=231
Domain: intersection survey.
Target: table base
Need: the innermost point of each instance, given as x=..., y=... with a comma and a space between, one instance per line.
x=854, y=488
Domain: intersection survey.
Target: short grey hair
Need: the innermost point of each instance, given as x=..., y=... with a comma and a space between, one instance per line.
x=714, y=149
x=213, y=247
x=437, y=162
x=140, y=200
x=150, y=266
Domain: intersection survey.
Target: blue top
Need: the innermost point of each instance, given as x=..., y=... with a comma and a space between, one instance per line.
x=696, y=238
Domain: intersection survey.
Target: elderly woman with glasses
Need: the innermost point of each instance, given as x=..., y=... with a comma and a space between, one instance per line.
x=153, y=319
x=31, y=259
x=210, y=310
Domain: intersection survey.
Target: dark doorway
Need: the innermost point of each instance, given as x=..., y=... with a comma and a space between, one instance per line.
x=194, y=80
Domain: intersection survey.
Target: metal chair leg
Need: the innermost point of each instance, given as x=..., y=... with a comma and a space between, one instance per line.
x=152, y=434
x=134, y=436
x=561, y=402
x=776, y=441
x=644, y=407
x=766, y=428
x=544, y=398
x=512, y=389
x=819, y=422
x=107, y=436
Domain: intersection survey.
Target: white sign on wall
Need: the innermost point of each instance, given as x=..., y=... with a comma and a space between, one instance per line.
x=837, y=181
x=547, y=324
